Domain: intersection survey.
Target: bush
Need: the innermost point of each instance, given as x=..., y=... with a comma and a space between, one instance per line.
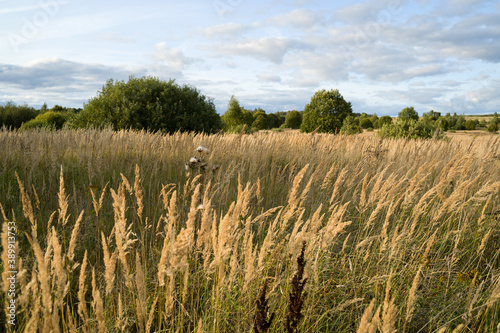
x=50, y=119
x=365, y=123
x=349, y=126
x=151, y=104
x=12, y=115
x=470, y=125
x=407, y=129
x=492, y=127
x=260, y=122
x=33, y=124
x=241, y=129
x=384, y=120
x=326, y=112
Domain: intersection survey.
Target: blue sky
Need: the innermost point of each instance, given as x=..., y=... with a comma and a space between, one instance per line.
x=383, y=55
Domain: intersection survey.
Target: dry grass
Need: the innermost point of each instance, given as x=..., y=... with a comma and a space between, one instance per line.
x=115, y=235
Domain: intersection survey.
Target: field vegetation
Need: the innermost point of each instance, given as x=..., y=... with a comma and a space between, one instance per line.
x=146, y=232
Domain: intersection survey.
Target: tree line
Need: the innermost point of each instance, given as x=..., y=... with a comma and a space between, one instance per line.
x=151, y=104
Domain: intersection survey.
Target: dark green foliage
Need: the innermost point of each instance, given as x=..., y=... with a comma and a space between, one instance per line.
x=151, y=104
x=274, y=120
x=384, y=120
x=365, y=123
x=408, y=114
x=350, y=127
x=470, y=125
x=12, y=115
x=374, y=119
x=260, y=122
x=326, y=112
x=492, y=127
x=293, y=119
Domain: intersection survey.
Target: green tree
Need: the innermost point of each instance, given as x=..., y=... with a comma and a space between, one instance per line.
x=470, y=124
x=151, y=104
x=260, y=122
x=384, y=120
x=374, y=119
x=234, y=115
x=12, y=115
x=293, y=119
x=349, y=126
x=408, y=113
x=365, y=123
x=247, y=118
x=274, y=120
x=325, y=112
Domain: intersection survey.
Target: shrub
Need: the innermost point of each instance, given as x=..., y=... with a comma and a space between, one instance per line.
x=492, y=127
x=261, y=122
x=470, y=125
x=365, y=123
x=407, y=129
x=349, y=126
x=50, y=119
x=384, y=120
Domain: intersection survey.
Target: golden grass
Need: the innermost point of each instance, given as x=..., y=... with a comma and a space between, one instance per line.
x=400, y=235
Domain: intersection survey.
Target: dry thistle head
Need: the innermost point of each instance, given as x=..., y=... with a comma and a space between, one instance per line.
x=260, y=323
x=202, y=149
x=297, y=296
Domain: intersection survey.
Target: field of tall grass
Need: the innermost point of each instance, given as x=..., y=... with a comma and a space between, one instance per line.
x=142, y=232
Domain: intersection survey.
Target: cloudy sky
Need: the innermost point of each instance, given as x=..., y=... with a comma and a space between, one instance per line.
x=383, y=55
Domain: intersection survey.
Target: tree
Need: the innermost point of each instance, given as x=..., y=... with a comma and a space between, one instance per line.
x=470, y=124
x=365, y=123
x=408, y=114
x=293, y=119
x=384, y=120
x=274, y=120
x=12, y=115
x=151, y=104
x=260, y=122
x=234, y=115
x=325, y=112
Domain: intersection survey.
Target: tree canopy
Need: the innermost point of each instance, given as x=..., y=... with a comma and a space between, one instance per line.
x=151, y=104
x=326, y=112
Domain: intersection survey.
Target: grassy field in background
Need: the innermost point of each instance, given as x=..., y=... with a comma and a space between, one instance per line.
x=116, y=233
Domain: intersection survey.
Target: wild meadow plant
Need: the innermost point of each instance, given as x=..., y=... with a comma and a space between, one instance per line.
x=293, y=232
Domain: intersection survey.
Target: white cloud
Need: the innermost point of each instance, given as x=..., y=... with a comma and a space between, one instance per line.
x=265, y=48
x=299, y=19
x=226, y=30
x=268, y=77
x=173, y=57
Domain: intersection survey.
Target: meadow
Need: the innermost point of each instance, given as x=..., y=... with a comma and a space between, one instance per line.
x=141, y=232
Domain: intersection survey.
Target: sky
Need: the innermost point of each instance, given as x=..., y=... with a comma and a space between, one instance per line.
x=382, y=55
